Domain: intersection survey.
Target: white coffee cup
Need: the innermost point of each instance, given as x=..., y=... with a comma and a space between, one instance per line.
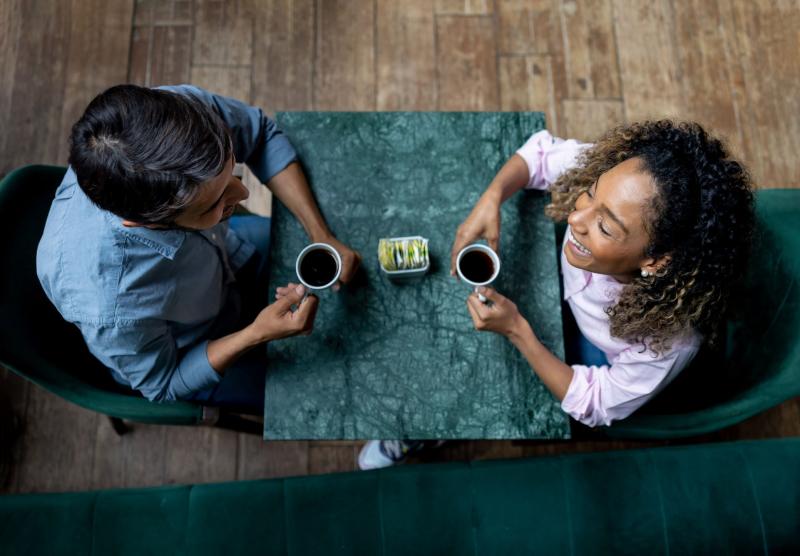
x=491, y=258
x=310, y=281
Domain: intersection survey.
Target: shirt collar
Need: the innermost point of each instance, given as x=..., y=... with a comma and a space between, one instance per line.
x=164, y=242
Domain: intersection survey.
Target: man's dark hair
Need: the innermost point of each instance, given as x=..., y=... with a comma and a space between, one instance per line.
x=142, y=153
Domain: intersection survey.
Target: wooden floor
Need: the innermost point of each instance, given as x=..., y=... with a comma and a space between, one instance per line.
x=588, y=64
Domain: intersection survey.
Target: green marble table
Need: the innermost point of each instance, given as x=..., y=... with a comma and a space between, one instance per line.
x=391, y=360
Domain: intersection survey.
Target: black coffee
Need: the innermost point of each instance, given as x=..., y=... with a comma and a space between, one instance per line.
x=318, y=267
x=476, y=266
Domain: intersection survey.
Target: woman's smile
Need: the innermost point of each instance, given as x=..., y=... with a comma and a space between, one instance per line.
x=578, y=248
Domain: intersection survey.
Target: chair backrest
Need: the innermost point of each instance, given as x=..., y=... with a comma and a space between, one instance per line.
x=35, y=341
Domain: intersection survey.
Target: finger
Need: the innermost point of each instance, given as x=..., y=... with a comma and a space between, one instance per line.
x=490, y=294
x=480, y=308
x=494, y=243
x=307, y=311
x=292, y=297
x=458, y=245
x=476, y=319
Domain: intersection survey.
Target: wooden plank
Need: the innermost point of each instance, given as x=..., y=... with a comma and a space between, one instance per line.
x=108, y=466
x=139, y=66
x=230, y=81
x=330, y=458
x=464, y=7
x=587, y=120
x=145, y=455
x=762, y=38
x=406, y=55
x=590, y=49
x=282, y=71
x=517, y=29
x=170, y=55
x=649, y=70
x=97, y=58
x=526, y=83
x=223, y=32
x=345, y=60
x=32, y=133
x=707, y=70
x=164, y=12
x=466, y=63
x=58, y=445
x=199, y=455
x=10, y=26
x=266, y=460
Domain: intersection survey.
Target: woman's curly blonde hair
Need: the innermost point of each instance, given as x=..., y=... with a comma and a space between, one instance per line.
x=701, y=218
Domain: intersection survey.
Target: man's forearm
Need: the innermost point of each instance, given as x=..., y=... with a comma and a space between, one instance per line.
x=554, y=373
x=291, y=188
x=223, y=352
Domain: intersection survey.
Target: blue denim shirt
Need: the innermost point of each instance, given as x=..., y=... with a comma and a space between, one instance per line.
x=147, y=301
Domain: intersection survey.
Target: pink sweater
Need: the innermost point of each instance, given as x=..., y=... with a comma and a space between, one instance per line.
x=600, y=395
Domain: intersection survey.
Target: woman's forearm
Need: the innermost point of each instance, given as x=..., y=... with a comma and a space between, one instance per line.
x=554, y=373
x=512, y=177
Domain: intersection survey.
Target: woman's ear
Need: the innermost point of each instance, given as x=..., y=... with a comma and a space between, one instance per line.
x=653, y=267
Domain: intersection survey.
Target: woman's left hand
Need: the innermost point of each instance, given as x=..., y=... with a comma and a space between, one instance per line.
x=499, y=315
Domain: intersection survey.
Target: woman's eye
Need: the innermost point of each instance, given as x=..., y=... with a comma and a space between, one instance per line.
x=603, y=228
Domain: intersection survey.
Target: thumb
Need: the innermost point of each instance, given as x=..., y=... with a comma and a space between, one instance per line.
x=489, y=293
x=293, y=297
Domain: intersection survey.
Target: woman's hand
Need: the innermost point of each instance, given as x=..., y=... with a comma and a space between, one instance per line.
x=482, y=222
x=499, y=315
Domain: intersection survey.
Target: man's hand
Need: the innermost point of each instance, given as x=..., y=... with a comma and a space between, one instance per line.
x=278, y=321
x=499, y=315
x=350, y=259
x=482, y=222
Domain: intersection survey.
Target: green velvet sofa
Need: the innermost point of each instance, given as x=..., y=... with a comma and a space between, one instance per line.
x=733, y=498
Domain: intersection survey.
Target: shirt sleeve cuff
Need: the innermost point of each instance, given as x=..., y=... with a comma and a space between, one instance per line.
x=195, y=372
x=579, y=401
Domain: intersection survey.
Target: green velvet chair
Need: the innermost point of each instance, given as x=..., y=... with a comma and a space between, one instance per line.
x=37, y=344
x=733, y=498
x=757, y=365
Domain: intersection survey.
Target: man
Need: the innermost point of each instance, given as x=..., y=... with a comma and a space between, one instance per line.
x=138, y=251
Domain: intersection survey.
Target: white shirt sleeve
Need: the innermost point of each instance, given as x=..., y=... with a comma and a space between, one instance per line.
x=548, y=157
x=601, y=395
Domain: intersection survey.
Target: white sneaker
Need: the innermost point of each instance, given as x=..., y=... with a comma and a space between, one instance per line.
x=377, y=454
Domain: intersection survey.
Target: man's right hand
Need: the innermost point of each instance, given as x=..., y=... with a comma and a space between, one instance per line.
x=482, y=222
x=278, y=320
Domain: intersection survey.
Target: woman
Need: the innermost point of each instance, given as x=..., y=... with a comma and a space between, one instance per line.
x=659, y=225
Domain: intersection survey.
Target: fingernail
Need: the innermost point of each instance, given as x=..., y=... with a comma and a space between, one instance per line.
x=299, y=290
x=481, y=290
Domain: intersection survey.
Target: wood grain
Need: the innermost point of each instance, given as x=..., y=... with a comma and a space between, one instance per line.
x=345, y=55
x=406, y=55
x=282, y=70
x=590, y=49
x=587, y=120
x=223, y=32
x=526, y=83
x=467, y=63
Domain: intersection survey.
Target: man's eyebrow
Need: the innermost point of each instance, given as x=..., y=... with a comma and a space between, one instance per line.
x=607, y=210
